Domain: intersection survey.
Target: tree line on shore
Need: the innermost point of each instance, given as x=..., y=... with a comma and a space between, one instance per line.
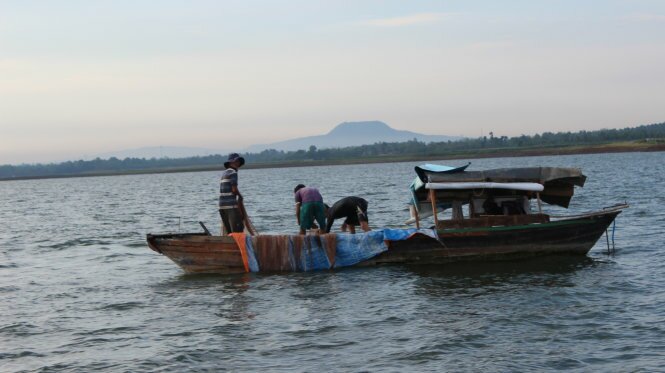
x=412, y=148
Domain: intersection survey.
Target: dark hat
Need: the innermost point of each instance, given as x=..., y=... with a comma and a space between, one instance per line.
x=234, y=157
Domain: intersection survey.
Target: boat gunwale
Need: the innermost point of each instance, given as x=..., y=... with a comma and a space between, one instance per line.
x=581, y=219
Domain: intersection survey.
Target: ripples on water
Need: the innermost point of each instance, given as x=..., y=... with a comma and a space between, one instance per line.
x=81, y=291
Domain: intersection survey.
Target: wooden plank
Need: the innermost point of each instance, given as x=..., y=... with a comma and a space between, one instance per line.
x=493, y=220
x=432, y=196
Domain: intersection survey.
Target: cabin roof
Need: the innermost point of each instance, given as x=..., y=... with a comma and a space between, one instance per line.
x=558, y=182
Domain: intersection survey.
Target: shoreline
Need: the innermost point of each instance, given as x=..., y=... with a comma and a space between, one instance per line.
x=618, y=147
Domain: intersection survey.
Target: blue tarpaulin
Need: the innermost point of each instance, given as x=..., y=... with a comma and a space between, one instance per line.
x=312, y=256
x=422, y=170
x=312, y=253
x=404, y=234
x=355, y=248
x=251, y=258
x=420, y=181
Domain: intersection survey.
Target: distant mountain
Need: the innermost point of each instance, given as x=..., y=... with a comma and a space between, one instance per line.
x=344, y=134
x=158, y=152
x=351, y=134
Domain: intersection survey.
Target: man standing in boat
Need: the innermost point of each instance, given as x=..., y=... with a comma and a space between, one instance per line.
x=309, y=206
x=230, y=197
x=353, y=209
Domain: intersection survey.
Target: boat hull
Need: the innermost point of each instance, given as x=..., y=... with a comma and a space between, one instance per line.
x=564, y=237
x=200, y=253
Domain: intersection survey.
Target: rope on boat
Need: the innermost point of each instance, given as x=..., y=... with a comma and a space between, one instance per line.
x=614, y=226
x=607, y=237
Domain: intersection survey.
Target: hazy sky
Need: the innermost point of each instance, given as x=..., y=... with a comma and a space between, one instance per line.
x=90, y=76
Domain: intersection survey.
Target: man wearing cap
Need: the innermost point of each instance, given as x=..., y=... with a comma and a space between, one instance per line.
x=230, y=197
x=309, y=206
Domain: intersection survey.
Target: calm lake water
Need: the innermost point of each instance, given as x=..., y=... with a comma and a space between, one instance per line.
x=82, y=292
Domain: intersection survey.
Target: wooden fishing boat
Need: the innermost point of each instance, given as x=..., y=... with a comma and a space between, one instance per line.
x=508, y=231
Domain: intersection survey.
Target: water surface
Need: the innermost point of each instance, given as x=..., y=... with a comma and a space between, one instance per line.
x=81, y=291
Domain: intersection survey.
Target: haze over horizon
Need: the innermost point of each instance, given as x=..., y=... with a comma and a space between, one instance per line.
x=82, y=77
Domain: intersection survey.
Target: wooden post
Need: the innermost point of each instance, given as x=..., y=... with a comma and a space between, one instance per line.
x=247, y=222
x=432, y=197
x=540, y=206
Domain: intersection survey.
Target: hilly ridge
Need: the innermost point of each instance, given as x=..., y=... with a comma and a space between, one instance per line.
x=342, y=135
x=351, y=134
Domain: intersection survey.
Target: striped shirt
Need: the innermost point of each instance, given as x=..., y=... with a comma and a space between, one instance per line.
x=228, y=200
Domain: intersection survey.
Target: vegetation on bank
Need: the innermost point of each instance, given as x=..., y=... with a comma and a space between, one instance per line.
x=647, y=137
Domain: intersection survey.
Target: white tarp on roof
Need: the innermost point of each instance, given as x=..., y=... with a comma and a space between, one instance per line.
x=529, y=187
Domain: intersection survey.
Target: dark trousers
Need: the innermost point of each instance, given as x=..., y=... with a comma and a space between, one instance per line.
x=232, y=219
x=352, y=219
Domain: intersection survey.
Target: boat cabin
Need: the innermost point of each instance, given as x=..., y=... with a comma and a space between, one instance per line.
x=499, y=197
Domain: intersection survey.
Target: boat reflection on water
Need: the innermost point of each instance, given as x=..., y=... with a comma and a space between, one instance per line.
x=503, y=280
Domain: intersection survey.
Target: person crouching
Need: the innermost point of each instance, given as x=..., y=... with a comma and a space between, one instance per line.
x=309, y=207
x=353, y=209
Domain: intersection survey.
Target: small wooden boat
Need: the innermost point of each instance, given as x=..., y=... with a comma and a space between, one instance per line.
x=507, y=231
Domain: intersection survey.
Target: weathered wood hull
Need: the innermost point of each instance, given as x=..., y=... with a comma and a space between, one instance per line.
x=200, y=253
x=570, y=237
